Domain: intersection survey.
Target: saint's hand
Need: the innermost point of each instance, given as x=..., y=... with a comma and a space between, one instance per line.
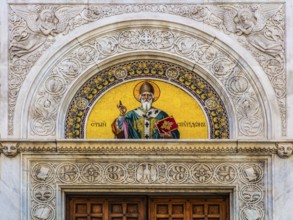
x=166, y=135
x=122, y=108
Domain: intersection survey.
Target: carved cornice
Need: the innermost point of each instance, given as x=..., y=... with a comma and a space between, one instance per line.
x=229, y=147
x=37, y=147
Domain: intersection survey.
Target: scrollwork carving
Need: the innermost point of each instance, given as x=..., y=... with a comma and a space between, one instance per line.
x=69, y=68
x=250, y=126
x=237, y=84
x=87, y=54
x=186, y=45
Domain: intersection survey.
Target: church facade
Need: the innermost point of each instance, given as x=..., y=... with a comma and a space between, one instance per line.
x=146, y=110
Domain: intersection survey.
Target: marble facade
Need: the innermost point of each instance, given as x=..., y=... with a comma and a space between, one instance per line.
x=50, y=48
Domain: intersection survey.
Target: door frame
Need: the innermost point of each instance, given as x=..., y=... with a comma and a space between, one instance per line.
x=147, y=201
x=230, y=192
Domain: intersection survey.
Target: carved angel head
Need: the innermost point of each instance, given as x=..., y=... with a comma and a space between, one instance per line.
x=245, y=16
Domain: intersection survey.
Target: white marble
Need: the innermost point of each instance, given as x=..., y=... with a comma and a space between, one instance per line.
x=3, y=68
x=283, y=188
x=10, y=187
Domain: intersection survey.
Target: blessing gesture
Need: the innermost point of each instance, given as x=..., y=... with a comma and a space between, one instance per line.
x=121, y=108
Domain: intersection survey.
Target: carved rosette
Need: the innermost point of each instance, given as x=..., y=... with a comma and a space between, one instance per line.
x=247, y=177
x=262, y=33
x=231, y=75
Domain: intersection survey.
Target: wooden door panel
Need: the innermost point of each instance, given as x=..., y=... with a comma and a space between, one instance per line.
x=134, y=208
x=188, y=208
x=170, y=209
x=105, y=208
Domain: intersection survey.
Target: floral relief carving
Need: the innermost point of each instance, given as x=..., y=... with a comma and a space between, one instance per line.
x=226, y=173
x=91, y=173
x=258, y=27
x=202, y=173
x=251, y=198
x=67, y=172
x=177, y=173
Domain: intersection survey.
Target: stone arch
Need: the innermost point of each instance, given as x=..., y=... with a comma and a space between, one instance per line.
x=188, y=86
x=214, y=50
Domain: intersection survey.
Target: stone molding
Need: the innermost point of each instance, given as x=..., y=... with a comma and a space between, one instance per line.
x=48, y=177
x=267, y=24
x=151, y=147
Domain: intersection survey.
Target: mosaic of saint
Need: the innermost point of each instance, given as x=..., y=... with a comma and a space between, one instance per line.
x=145, y=121
x=146, y=100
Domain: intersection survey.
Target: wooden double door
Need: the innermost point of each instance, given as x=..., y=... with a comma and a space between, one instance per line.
x=147, y=208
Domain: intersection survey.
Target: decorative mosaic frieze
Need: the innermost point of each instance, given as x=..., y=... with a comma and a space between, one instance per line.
x=259, y=27
x=248, y=177
x=230, y=74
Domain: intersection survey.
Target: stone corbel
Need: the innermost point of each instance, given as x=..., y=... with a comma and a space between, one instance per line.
x=9, y=149
x=284, y=150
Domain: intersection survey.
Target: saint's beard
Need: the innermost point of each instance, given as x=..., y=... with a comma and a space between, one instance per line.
x=146, y=105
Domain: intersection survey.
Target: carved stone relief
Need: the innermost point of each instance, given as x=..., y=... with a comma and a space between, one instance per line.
x=236, y=80
x=258, y=27
x=9, y=149
x=248, y=177
x=284, y=150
